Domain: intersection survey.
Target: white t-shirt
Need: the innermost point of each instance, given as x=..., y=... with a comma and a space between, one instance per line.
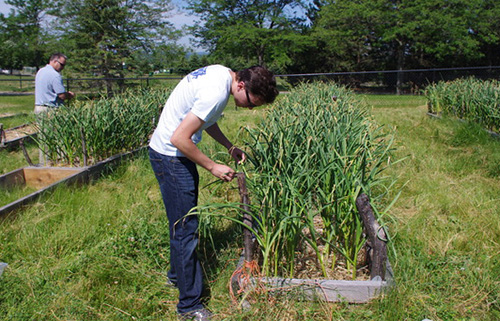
x=205, y=93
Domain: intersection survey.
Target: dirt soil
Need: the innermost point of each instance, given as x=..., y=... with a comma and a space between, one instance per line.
x=11, y=134
x=307, y=265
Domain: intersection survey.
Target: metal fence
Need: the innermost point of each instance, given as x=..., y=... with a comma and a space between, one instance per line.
x=26, y=84
x=398, y=81
x=386, y=81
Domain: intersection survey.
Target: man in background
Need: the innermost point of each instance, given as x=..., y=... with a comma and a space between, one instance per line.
x=49, y=87
x=49, y=90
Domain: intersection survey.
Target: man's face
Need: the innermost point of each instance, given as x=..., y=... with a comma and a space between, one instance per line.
x=58, y=64
x=243, y=98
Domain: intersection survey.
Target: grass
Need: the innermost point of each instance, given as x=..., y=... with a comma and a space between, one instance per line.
x=16, y=105
x=24, y=105
x=11, y=83
x=13, y=159
x=446, y=227
x=100, y=252
x=12, y=194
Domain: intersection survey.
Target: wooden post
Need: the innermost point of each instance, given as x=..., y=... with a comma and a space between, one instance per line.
x=376, y=237
x=247, y=218
x=2, y=136
x=84, y=148
x=25, y=152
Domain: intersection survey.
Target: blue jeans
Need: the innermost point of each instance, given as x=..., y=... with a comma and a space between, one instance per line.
x=178, y=179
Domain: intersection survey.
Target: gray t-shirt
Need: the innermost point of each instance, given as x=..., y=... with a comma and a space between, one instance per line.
x=48, y=85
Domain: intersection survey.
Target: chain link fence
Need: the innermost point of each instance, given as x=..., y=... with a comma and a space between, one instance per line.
x=397, y=81
x=387, y=81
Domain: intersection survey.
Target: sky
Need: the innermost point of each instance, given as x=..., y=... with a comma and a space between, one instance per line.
x=179, y=19
x=4, y=8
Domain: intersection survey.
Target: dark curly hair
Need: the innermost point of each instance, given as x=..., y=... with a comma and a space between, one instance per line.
x=260, y=82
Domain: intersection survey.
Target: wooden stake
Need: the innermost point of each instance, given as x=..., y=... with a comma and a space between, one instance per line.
x=376, y=237
x=25, y=152
x=84, y=148
x=2, y=136
x=247, y=218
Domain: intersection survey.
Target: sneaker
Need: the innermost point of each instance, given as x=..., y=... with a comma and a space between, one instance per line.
x=198, y=315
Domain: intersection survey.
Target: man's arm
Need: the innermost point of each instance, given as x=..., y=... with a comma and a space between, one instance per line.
x=66, y=95
x=216, y=133
x=181, y=139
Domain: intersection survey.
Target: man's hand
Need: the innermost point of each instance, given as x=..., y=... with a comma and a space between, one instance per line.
x=223, y=172
x=237, y=154
x=67, y=95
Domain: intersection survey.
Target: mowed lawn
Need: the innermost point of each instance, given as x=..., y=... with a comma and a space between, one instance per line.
x=446, y=229
x=100, y=252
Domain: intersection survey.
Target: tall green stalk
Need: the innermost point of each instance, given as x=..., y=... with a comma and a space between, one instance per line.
x=106, y=126
x=314, y=155
x=471, y=99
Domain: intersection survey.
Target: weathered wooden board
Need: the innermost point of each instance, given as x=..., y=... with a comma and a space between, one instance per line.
x=12, y=136
x=11, y=115
x=318, y=289
x=40, y=177
x=16, y=177
x=71, y=176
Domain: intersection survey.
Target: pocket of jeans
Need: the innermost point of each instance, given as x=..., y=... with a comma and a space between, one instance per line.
x=157, y=166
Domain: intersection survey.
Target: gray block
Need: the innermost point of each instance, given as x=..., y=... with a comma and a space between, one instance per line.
x=2, y=267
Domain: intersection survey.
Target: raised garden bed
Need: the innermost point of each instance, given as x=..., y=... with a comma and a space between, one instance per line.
x=316, y=289
x=352, y=291
x=11, y=115
x=45, y=179
x=12, y=137
x=492, y=133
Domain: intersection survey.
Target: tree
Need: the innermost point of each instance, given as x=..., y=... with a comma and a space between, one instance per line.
x=396, y=34
x=488, y=30
x=103, y=35
x=23, y=39
x=163, y=56
x=244, y=32
x=346, y=30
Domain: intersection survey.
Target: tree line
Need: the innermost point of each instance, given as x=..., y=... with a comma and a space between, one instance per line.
x=113, y=38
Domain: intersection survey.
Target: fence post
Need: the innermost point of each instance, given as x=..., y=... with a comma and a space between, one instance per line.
x=20, y=82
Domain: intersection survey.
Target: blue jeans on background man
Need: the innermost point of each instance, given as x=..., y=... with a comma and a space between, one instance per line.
x=178, y=179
